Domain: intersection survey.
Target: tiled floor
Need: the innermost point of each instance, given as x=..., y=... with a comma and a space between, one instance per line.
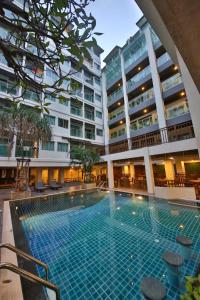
x=100, y=246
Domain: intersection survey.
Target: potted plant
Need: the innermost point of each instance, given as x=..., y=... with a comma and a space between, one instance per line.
x=87, y=158
x=192, y=288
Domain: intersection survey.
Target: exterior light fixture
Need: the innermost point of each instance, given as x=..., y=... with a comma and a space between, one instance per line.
x=175, y=68
x=119, y=84
x=139, y=68
x=145, y=110
x=121, y=122
x=182, y=93
x=143, y=88
x=118, y=103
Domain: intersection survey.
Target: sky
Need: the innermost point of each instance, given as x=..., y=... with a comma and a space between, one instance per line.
x=116, y=19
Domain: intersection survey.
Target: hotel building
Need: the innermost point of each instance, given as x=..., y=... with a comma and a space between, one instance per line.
x=147, y=121
x=77, y=121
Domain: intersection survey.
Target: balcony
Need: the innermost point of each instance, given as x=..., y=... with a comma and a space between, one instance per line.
x=115, y=96
x=75, y=73
x=144, y=130
x=89, y=115
x=172, y=86
x=164, y=62
x=141, y=102
x=117, y=135
x=119, y=147
x=89, y=135
x=116, y=116
x=139, y=79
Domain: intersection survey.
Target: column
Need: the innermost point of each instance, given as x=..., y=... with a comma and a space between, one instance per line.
x=126, y=104
x=50, y=174
x=180, y=166
x=149, y=173
x=105, y=113
x=193, y=97
x=132, y=170
x=39, y=175
x=169, y=169
x=160, y=107
x=61, y=176
x=110, y=174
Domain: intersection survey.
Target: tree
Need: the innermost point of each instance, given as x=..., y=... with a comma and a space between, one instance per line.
x=26, y=127
x=87, y=158
x=45, y=33
x=192, y=288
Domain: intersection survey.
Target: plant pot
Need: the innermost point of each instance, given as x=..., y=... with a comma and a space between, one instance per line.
x=89, y=185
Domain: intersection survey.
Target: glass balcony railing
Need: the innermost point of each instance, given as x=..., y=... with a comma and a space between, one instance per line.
x=8, y=88
x=171, y=82
x=89, y=135
x=88, y=80
x=142, y=74
x=116, y=113
x=130, y=60
x=76, y=132
x=89, y=115
x=89, y=97
x=163, y=59
x=142, y=123
x=77, y=93
x=116, y=94
x=141, y=98
x=76, y=73
x=76, y=111
x=117, y=133
x=177, y=111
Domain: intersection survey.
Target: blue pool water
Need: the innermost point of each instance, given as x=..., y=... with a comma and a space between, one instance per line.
x=99, y=245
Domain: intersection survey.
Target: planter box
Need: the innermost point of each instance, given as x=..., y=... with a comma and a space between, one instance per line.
x=89, y=185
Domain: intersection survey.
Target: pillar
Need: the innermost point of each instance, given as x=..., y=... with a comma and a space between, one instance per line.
x=39, y=175
x=132, y=171
x=149, y=173
x=180, y=167
x=169, y=169
x=160, y=107
x=50, y=174
x=61, y=176
x=105, y=114
x=126, y=104
x=110, y=174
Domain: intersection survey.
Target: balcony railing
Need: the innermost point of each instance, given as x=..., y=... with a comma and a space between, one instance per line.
x=171, y=82
x=166, y=135
x=116, y=94
x=163, y=59
x=76, y=111
x=119, y=147
x=89, y=115
x=76, y=132
x=116, y=113
x=89, y=135
x=142, y=74
x=89, y=97
x=141, y=98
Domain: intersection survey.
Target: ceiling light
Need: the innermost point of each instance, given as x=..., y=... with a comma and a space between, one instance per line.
x=145, y=110
x=182, y=93
x=121, y=122
x=119, y=84
x=175, y=68
x=142, y=88
x=139, y=68
x=118, y=103
x=171, y=157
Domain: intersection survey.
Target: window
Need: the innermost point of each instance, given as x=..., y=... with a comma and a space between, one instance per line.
x=31, y=95
x=97, y=81
x=50, y=96
x=49, y=146
x=62, y=123
x=99, y=114
x=51, y=74
x=50, y=119
x=99, y=132
x=98, y=97
x=62, y=147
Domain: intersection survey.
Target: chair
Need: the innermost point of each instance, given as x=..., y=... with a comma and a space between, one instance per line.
x=40, y=187
x=54, y=186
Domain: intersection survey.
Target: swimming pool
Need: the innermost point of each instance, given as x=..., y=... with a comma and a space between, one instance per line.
x=100, y=244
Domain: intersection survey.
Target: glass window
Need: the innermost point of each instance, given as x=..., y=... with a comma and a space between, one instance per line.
x=48, y=146
x=97, y=81
x=97, y=66
x=62, y=147
x=51, y=74
x=99, y=132
x=99, y=114
x=50, y=119
x=62, y=123
x=98, y=97
x=50, y=96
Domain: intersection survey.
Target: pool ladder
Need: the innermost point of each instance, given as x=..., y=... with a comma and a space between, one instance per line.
x=27, y=275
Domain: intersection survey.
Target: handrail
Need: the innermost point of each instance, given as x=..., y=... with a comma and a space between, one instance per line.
x=26, y=256
x=31, y=277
